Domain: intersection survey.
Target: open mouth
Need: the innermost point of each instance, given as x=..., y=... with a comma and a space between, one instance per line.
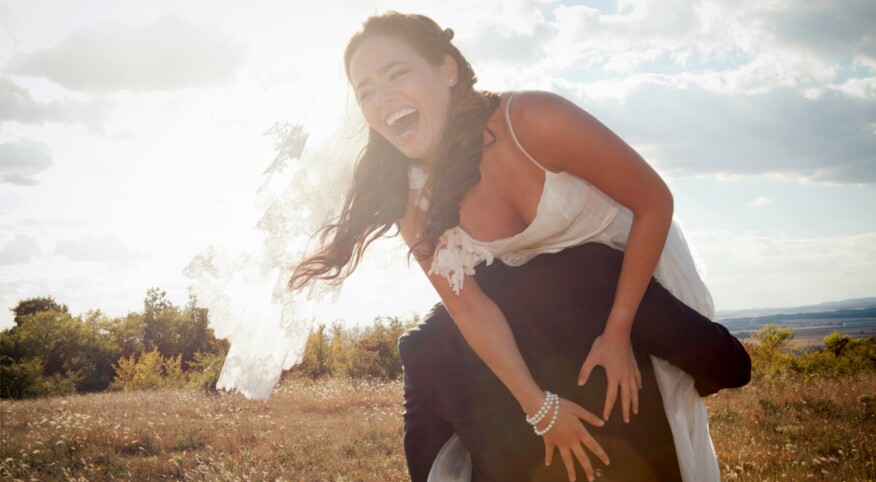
x=404, y=123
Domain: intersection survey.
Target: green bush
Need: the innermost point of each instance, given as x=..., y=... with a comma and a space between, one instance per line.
x=840, y=356
x=148, y=372
x=205, y=369
x=21, y=379
x=356, y=353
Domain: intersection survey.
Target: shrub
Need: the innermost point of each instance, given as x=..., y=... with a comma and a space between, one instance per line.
x=205, y=369
x=149, y=372
x=841, y=355
x=21, y=379
x=356, y=353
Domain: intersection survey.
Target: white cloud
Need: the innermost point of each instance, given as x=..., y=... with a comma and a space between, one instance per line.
x=23, y=159
x=826, y=29
x=17, y=104
x=748, y=269
x=105, y=248
x=18, y=250
x=167, y=55
x=497, y=42
x=761, y=201
x=693, y=131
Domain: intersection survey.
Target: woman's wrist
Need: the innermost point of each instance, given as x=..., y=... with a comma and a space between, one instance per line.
x=618, y=326
x=532, y=402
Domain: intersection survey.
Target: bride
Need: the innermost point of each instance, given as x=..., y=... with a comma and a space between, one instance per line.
x=469, y=177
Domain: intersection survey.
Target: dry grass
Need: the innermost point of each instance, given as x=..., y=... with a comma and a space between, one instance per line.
x=341, y=431
x=331, y=431
x=792, y=430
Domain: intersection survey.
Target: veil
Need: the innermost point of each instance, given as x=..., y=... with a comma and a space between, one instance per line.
x=245, y=292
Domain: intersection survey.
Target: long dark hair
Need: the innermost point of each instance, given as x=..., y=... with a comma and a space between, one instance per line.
x=378, y=197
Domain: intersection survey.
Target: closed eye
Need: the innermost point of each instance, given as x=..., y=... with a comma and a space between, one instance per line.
x=398, y=73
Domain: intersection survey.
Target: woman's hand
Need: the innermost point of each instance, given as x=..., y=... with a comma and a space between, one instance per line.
x=568, y=433
x=613, y=350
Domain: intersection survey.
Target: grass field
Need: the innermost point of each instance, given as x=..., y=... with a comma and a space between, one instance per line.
x=344, y=431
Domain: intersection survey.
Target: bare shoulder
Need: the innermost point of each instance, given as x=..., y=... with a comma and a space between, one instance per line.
x=533, y=109
x=558, y=132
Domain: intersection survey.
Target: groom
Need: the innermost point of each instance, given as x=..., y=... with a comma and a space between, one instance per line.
x=556, y=305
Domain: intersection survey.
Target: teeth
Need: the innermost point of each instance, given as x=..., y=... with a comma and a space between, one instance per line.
x=398, y=115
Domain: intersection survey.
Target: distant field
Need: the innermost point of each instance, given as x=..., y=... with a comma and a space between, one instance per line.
x=810, y=331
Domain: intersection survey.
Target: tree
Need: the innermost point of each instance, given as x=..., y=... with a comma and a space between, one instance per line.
x=772, y=337
x=317, y=361
x=72, y=355
x=33, y=306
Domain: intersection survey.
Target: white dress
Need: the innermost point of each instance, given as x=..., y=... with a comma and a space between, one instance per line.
x=572, y=212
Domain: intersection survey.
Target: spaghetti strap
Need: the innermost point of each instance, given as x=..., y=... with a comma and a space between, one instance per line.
x=514, y=136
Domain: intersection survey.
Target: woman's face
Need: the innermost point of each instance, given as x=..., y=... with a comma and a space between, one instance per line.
x=403, y=97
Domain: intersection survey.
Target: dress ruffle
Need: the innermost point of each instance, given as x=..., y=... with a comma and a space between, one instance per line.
x=456, y=256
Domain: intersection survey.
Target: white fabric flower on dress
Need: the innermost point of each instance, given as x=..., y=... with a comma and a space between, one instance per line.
x=417, y=179
x=456, y=256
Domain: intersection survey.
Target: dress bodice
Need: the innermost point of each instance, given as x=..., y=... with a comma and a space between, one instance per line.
x=570, y=213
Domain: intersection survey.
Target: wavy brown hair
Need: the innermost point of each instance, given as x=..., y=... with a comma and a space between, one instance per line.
x=378, y=198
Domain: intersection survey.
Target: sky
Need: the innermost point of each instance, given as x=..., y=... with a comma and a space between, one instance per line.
x=132, y=134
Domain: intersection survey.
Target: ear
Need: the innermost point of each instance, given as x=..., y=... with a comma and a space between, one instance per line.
x=450, y=69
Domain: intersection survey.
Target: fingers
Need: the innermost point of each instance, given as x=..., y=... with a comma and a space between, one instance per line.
x=636, y=384
x=548, y=453
x=635, y=395
x=566, y=454
x=610, y=397
x=625, y=399
x=585, y=436
x=585, y=371
x=594, y=447
x=585, y=415
x=583, y=460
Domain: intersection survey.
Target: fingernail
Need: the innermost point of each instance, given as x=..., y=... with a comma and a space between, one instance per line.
x=580, y=383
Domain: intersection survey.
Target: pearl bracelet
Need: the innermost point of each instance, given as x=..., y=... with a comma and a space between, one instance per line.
x=553, y=420
x=545, y=406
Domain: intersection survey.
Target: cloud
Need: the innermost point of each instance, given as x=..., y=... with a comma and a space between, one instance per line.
x=16, y=104
x=761, y=201
x=692, y=131
x=22, y=159
x=498, y=42
x=18, y=250
x=167, y=55
x=750, y=269
x=106, y=248
x=741, y=46
x=827, y=29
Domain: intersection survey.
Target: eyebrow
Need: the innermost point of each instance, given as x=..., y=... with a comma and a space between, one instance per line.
x=381, y=71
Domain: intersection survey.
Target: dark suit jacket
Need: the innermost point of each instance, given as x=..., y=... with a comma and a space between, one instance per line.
x=556, y=305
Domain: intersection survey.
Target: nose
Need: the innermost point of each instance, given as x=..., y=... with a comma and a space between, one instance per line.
x=383, y=93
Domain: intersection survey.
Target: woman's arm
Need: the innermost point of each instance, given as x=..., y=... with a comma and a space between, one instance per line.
x=485, y=329
x=563, y=137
